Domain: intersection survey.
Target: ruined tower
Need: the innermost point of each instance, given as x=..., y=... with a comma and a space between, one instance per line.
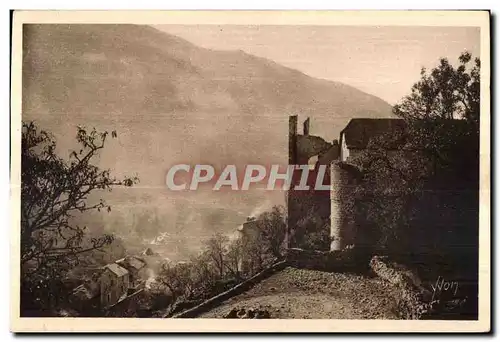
x=317, y=218
x=339, y=178
x=292, y=160
x=309, y=210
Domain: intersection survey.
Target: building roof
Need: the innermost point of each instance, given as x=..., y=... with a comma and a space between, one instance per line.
x=358, y=132
x=85, y=291
x=131, y=262
x=250, y=225
x=116, y=269
x=149, y=251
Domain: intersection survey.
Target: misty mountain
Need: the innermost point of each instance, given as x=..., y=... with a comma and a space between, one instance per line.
x=174, y=102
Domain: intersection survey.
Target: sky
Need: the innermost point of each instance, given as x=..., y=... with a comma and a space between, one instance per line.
x=382, y=61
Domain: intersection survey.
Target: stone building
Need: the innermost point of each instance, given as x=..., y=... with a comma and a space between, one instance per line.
x=315, y=217
x=114, y=283
x=356, y=136
x=137, y=270
x=110, y=285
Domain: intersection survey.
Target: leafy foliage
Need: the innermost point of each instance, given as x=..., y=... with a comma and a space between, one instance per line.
x=419, y=189
x=273, y=227
x=418, y=199
x=445, y=93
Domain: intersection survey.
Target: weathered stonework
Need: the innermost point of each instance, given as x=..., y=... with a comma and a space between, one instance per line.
x=315, y=221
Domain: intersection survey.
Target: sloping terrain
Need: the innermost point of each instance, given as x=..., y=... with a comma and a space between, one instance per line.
x=301, y=293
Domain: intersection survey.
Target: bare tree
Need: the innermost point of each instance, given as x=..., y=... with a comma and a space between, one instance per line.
x=234, y=258
x=54, y=190
x=203, y=273
x=216, y=248
x=178, y=279
x=272, y=227
x=255, y=251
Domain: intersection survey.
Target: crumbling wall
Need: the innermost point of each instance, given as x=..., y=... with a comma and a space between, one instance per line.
x=238, y=289
x=414, y=302
x=310, y=215
x=314, y=216
x=347, y=260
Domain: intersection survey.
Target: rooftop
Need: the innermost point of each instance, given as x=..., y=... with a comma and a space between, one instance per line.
x=86, y=291
x=131, y=262
x=358, y=132
x=116, y=269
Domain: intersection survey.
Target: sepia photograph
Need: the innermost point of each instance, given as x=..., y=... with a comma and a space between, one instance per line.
x=330, y=170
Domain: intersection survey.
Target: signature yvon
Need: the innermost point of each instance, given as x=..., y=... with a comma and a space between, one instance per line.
x=441, y=286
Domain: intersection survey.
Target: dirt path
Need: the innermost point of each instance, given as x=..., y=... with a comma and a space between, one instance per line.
x=298, y=293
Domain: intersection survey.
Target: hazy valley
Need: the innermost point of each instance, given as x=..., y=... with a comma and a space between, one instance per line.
x=173, y=102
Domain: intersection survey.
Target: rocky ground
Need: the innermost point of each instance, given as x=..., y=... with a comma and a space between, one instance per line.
x=301, y=293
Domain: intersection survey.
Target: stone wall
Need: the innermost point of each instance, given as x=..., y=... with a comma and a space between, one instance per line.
x=127, y=307
x=330, y=261
x=415, y=300
x=238, y=289
x=308, y=210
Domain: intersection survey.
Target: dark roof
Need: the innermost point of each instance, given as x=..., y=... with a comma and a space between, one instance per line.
x=249, y=225
x=149, y=251
x=131, y=262
x=86, y=291
x=358, y=132
x=116, y=269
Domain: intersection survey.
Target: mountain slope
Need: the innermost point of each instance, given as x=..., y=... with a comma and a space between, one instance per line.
x=173, y=102
x=160, y=73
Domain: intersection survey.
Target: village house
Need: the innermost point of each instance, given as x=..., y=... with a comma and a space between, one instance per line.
x=111, y=284
x=137, y=270
x=114, y=284
x=85, y=297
